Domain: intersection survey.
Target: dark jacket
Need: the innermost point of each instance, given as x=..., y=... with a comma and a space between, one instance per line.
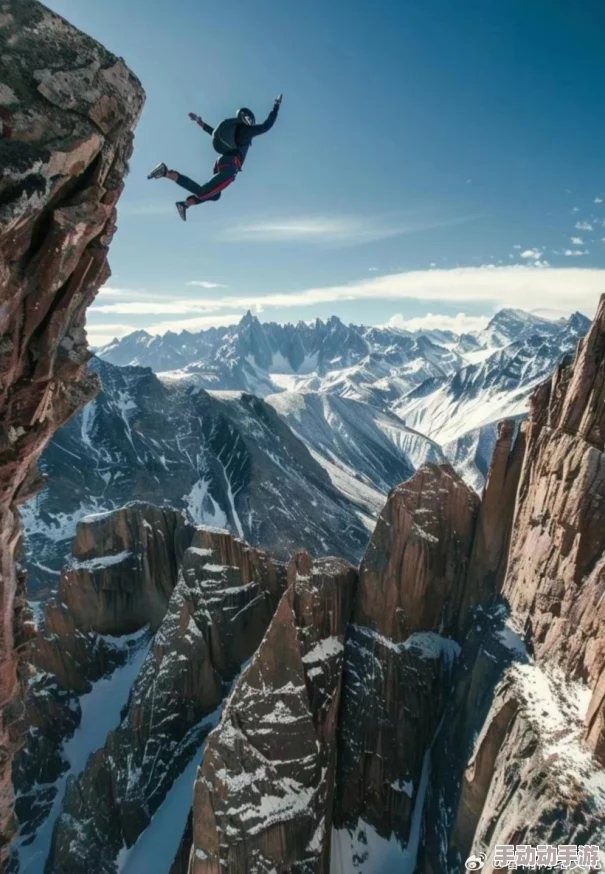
x=245, y=133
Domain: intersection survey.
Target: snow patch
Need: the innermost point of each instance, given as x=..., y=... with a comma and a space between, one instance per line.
x=325, y=649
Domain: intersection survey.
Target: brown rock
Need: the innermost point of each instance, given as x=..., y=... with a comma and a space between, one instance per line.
x=489, y=555
x=217, y=615
x=412, y=575
x=62, y=173
x=126, y=564
x=263, y=797
x=556, y=571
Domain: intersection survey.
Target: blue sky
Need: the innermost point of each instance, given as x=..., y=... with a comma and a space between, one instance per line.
x=430, y=158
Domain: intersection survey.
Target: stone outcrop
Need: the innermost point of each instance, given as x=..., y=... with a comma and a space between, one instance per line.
x=509, y=766
x=67, y=111
x=471, y=691
x=401, y=647
x=264, y=795
x=216, y=617
x=121, y=583
x=556, y=572
x=491, y=542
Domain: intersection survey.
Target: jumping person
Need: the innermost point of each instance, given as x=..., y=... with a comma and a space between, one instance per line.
x=231, y=139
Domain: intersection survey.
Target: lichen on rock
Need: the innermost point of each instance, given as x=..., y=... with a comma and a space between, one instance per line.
x=68, y=108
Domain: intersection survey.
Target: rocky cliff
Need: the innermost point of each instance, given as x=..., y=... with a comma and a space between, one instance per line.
x=264, y=795
x=471, y=688
x=217, y=614
x=444, y=698
x=116, y=589
x=67, y=111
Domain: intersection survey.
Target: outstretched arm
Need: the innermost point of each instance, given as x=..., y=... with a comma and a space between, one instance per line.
x=197, y=119
x=257, y=129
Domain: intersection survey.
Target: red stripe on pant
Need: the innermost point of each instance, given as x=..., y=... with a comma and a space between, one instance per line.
x=220, y=187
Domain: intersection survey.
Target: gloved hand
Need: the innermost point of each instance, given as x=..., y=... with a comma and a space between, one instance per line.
x=278, y=100
x=195, y=117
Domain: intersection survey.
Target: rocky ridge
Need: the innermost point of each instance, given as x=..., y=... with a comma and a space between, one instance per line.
x=415, y=710
x=67, y=111
x=471, y=703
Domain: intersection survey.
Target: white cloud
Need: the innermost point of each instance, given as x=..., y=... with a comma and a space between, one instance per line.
x=336, y=231
x=577, y=241
x=99, y=335
x=202, y=283
x=459, y=324
x=564, y=288
x=584, y=226
x=598, y=200
x=575, y=253
x=195, y=324
x=532, y=253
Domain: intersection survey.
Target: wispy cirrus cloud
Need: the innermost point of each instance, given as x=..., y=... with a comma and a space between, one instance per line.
x=203, y=283
x=575, y=253
x=338, y=231
x=461, y=323
x=100, y=334
x=562, y=288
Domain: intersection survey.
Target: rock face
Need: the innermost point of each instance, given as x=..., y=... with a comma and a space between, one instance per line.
x=67, y=111
x=471, y=689
x=401, y=648
x=556, y=572
x=264, y=796
x=217, y=614
x=125, y=566
x=121, y=583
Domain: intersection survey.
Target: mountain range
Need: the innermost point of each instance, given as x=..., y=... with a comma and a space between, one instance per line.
x=185, y=702
x=246, y=436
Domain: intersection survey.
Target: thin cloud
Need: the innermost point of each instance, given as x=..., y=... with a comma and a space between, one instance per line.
x=100, y=335
x=598, y=200
x=577, y=241
x=532, y=253
x=575, y=253
x=336, y=231
x=203, y=283
x=564, y=288
x=459, y=324
x=584, y=226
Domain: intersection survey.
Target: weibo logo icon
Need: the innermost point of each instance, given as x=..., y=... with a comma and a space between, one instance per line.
x=475, y=863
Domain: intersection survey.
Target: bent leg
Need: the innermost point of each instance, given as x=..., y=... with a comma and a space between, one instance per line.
x=210, y=190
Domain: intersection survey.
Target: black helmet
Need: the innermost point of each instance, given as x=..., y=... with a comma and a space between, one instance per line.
x=246, y=116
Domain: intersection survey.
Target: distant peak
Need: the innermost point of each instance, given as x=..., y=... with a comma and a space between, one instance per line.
x=249, y=319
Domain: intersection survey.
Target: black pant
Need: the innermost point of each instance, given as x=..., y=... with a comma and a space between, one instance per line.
x=225, y=171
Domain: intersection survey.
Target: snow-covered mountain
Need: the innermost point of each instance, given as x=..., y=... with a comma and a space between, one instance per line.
x=247, y=355
x=280, y=433
x=451, y=388
x=227, y=459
